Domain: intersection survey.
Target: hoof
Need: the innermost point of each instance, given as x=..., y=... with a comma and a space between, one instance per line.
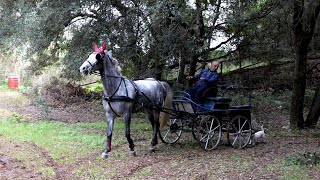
x=132, y=153
x=104, y=155
x=152, y=149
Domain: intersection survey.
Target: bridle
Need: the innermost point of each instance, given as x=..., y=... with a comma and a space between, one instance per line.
x=98, y=58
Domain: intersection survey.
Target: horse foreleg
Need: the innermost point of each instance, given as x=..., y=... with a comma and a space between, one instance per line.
x=110, y=119
x=128, y=135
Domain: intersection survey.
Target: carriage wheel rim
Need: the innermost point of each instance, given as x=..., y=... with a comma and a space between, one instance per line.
x=241, y=136
x=210, y=135
x=172, y=133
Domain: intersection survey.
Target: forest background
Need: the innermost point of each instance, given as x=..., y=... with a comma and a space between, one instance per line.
x=45, y=42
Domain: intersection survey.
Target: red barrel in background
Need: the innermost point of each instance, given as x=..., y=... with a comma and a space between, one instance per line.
x=13, y=82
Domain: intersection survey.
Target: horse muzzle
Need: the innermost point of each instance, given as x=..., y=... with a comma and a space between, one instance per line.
x=84, y=71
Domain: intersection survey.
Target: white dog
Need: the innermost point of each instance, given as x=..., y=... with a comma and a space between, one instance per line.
x=259, y=136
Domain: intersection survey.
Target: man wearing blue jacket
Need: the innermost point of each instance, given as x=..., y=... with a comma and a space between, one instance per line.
x=207, y=78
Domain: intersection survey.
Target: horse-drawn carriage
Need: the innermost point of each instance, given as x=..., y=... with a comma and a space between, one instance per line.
x=206, y=120
x=209, y=119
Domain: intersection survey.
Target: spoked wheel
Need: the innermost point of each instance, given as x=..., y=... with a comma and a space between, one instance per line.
x=172, y=131
x=209, y=132
x=239, y=132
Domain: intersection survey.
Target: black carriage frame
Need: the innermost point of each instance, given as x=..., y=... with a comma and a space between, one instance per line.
x=207, y=121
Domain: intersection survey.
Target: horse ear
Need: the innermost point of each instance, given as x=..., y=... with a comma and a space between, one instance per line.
x=104, y=46
x=95, y=47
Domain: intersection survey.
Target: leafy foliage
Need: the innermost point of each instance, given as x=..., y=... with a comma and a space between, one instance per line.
x=142, y=34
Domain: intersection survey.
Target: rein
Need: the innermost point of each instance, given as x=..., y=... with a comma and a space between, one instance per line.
x=94, y=73
x=88, y=83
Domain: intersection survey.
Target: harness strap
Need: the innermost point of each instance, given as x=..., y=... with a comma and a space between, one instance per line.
x=164, y=92
x=122, y=80
x=109, y=103
x=90, y=63
x=114, y=98
x=117, y=99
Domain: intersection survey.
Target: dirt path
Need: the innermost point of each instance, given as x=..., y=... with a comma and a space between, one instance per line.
x=184, y=160
x=50, y=162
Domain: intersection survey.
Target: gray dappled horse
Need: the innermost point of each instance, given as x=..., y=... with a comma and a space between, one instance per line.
x=120, y=94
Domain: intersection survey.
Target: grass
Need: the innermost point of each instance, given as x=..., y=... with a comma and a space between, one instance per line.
x=65, y=140
x=25, y=153
x=67, y=143
x=92, y=171
x=295, y=172
x=229, y=67
x=77, y=147
x=60, y=139
x=4, y=87
x=117, y=126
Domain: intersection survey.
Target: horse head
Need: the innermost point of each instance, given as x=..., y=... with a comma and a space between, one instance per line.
x=94, y=61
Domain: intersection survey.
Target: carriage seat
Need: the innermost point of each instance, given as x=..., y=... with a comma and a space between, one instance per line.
x=212, y=101
x=210, y=95
x=218, y=99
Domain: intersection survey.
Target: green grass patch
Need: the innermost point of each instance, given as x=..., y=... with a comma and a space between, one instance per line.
x=93, y=171
x=119, y=125
x=4, y=87
x=299, y=165
x=229, y=67
x=295, y=172
x=145, y=172
x=27, y=155
x=303, y=159
x=64, y=142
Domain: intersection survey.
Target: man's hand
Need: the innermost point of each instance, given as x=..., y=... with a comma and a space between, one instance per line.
x=189, y=77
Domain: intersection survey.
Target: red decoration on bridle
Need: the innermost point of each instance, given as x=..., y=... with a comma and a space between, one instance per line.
x=99, y=50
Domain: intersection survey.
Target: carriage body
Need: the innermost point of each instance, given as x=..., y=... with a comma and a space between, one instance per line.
x=211, y=118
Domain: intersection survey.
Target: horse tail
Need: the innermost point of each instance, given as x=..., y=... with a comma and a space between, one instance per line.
x=167, y=107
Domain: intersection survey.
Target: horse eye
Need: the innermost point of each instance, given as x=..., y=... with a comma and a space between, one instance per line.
x=98, y=56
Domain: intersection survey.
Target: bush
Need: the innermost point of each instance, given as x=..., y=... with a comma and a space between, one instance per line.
x=4, y=82
x=60, y=93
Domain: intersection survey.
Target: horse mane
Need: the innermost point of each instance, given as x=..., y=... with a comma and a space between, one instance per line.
x=115, y=62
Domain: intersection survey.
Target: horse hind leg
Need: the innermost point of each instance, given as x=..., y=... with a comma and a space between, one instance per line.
x=154, y=119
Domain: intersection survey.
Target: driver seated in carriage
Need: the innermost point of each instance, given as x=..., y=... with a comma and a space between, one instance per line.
x=206, y=79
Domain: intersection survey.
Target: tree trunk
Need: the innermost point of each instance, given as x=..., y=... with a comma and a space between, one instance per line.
x=158, y=71
x=199, y=32
x=304, y=20
x=314, y=112
x=193, y=67
x=299, y=85
x=181, y=71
